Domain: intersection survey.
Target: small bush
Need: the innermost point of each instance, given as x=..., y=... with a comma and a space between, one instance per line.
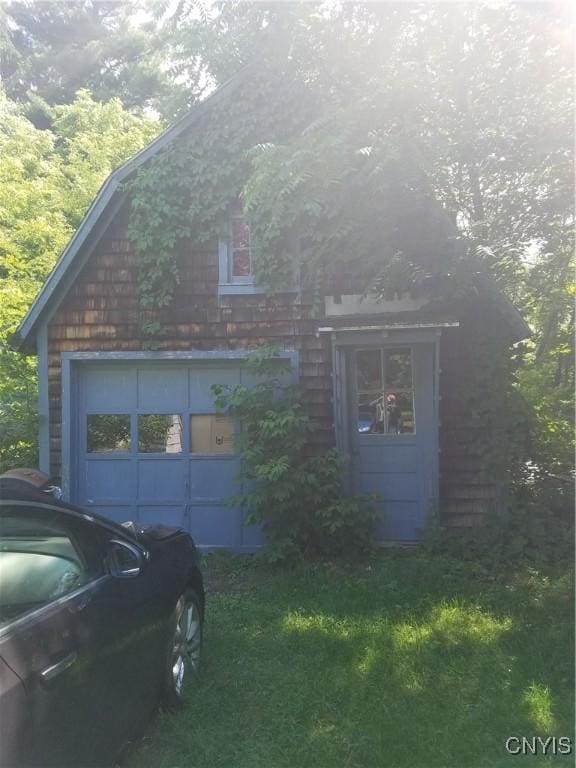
x=18, y=436
x=535, y=531
x=18, y=411
x=317, y=518
x=300, y=500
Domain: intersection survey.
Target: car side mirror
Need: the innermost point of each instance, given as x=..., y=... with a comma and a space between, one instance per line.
x=55, y=490
x=125, y=559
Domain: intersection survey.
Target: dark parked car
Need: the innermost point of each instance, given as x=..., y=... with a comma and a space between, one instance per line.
x=98, y=623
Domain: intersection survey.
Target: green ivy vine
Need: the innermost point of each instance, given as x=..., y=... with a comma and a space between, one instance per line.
x=190, y=186
x=307, y=167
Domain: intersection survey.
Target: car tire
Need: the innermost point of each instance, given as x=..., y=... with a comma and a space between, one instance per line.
x=185, y=648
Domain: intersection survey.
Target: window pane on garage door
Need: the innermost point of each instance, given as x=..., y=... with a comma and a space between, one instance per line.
x=159, y=433
x=211, y=433
x=107, y=432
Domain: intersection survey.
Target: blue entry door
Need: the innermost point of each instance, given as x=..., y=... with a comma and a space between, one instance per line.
x=393, y=431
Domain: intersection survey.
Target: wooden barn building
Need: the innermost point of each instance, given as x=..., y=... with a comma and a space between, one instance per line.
x=134, y=434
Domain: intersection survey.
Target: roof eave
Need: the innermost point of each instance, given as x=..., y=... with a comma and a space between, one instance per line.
x=519, y=328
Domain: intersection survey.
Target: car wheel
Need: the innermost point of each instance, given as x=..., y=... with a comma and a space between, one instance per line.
x=185, y=648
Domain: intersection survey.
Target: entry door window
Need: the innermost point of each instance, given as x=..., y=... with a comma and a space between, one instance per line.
x=385, y=391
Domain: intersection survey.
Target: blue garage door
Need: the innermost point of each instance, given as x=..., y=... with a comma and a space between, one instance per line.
x=150, y=447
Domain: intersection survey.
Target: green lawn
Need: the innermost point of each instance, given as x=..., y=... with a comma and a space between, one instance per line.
x=407, y=660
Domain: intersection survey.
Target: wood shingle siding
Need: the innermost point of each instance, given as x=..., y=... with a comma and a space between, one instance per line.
x=468, y=488
x=100, y=313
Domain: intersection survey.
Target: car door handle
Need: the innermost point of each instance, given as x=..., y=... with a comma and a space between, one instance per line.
x=54, y=670
x=80, y=603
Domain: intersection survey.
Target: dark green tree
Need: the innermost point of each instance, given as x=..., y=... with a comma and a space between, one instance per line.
x=47, y=180
x=50, y=50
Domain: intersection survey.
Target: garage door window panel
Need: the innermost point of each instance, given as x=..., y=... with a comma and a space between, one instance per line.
x=108, y=433
x=159, y=433
x=211, y=434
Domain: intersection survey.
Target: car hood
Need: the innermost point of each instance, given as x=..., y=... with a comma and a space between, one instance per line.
x=157, y=532
x=152, y=532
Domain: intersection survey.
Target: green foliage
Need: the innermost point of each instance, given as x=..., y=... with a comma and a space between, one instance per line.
x=348, y=121
x=50, y=50
x=298, y=498
x=188, y=189
x=494, y=421
x=18, y=419
x=549, y=392
x=547, y=378
x=47, y=181
x=411, y=105
x=471, y=105
x=108, y=432
x=535, y=531
x=48, y=178
x=93, y=139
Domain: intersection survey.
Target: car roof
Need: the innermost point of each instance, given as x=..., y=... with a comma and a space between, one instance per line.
x=14, y=490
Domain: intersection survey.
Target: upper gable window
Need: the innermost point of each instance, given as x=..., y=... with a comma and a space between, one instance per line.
x=240, y=260
x=236, y=265
x=235, y=258
x=240, y=257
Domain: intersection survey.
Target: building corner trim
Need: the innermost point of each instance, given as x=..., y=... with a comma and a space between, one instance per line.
x=43, y=401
